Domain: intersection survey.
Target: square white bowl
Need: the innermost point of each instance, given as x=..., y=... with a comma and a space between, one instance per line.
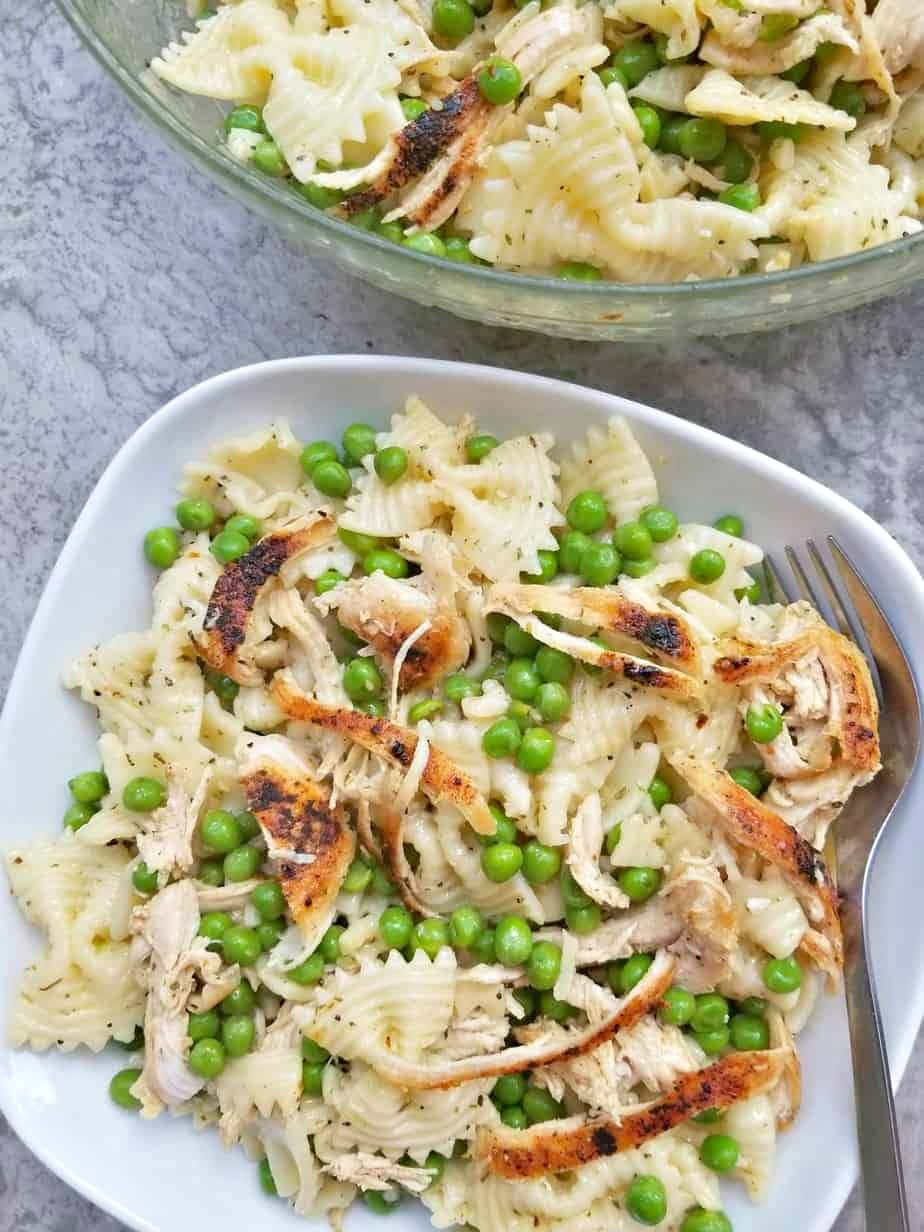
x=162, y=1176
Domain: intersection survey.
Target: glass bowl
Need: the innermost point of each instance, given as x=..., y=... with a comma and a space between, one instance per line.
x=125, y=35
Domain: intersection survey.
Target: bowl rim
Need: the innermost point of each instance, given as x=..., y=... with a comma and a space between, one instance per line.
x=908, y=584
x=270, y=191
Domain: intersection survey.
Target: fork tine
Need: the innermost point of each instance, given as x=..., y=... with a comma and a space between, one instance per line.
x=847, y=625
x=804, y=584
x=859, y=596
x=775, y=588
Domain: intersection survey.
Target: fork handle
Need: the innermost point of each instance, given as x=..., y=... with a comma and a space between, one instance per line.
x=884, y=1200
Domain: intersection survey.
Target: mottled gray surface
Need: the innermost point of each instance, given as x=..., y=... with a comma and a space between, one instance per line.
x=125, y=278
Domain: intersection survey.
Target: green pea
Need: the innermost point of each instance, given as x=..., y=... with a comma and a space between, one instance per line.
x=381, y=883
x=514, y=1118
x=240, y=1000
x=413, y=108
x=162, y=546
x=328, y=580
x=571, y=893
x=465, y=927
x=477, y=448
x=741, y=196
x=554, y=666
x=203, y=1026
x=222, y=686
x=779, y=130
x=330, y=944
x=646, y=1200
x=358, y=877
x=265, y=1177
x=386, y=560
x=706, y=565
x=435, y=1164
x=671, y=128
x=313, y=1052
x=712, y=1011
x=540, y=863
x=713, y=1042
x=609, y=75
x=365, y=220
x=774, y=26
x=719, y=1152
x=636, y=60
x=458, y=249
x=526, y=996
x=499, y=81
x=649, y=122
x=544, y=965
x=501, y=861
x=241, y=945
x=613, y=838
x=207, y=1058
x=359, y=438
x=702, y=139
x=309, y=971
x=497, y=626
x=120, y=1086
x=78, y=815
x=237, y=1034
x=632, y=540
x=633, y=970
x=426, y=709
x=362, y=680
x=242, y=863
x=551, y=1007
x=677, y=1007
x=536, y=751
x=391, y=462
x=509, y=1090
x=548, y=568
x=269, y=933
x=332, y=478
x=453, y=19
x=750, y=592
x=211, y=873
x=798, y=72
x=579, y=271
x=379, y=1204
x=763, y=723
x=699, y=1220
x=587, y=512
x=518, y=642
x=220, y=831
x=660, y=523
x=214, y=925
x=539, y=1105
x=144, y=879
x=574, y=543
x=748, y=778
x=374, y=707
x=735, y=163
x=143, y=794
x=521, y=680
x=582, y=920
x=269, y=900
x=783, y=975
x=502, y=738
x=361, y=544
x=600, y=564
x=248, y=823
x=395, y=926
x=553, y=702
x=244, y=524
x=639, y=883
x=460, y=686
x=523, y=714
x=505, y=830
x=757, y=1006
x=513, y=940
x=228, y=546
x=730, y=524
x=321, y=198
x=659, y=792
x=483, y=949
x=638, y=568
x=88, y=787
x=827, y=52
x=315, y=453
x=709, y=1117
x=749, y=1033
x=249, y=118
x=430, y=935
x=268, y=158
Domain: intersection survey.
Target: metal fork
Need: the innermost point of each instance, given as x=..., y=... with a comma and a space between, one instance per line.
x=846, y=602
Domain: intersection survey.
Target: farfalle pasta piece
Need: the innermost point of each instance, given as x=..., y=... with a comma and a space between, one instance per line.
x=677, y=19
x=754, y=100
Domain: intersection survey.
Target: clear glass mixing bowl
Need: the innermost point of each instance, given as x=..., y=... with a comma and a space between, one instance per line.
x=125, y=34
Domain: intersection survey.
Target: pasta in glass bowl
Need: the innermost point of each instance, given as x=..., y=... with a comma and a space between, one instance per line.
x=594, y=181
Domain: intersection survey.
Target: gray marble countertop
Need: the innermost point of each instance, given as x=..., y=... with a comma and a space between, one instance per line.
x=125, y=278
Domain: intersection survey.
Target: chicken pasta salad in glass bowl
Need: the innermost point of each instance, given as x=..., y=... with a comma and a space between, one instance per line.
x=643, y=141
x=458, y=830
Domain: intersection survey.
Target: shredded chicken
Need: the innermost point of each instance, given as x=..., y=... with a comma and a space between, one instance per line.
x=656, y=1055
x=166, y=843
x=899, y=29
x=584, y=852
x=377, y=1173
x=287, y=609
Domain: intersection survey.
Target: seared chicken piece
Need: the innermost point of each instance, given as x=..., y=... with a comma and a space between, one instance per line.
x=224, y=643
x=309, y=841
x=561, y=1146
x=440, y=779
x=663, y=635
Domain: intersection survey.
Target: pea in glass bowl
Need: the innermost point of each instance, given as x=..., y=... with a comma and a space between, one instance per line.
x=125, y=35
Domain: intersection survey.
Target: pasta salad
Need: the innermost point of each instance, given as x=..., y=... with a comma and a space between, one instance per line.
x=637, y=140
x=458, y=832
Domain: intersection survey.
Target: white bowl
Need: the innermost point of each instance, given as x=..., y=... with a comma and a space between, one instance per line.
x=162, y=1175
